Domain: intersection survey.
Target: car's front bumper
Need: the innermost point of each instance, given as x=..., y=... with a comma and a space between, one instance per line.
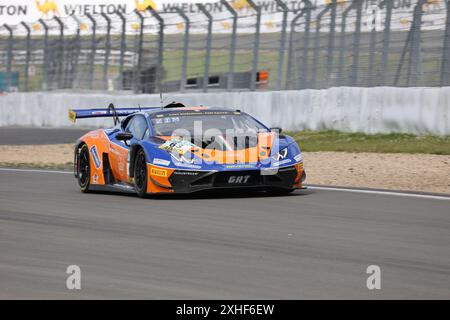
x=188, y=181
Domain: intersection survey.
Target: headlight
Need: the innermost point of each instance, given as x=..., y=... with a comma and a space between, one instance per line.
x=183, y=157
x=280, y=155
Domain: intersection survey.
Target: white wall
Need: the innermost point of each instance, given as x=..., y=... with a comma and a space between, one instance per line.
x=370, y=110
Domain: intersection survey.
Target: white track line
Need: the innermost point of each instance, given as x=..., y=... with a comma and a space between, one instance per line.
x=386, y=193
x=35, y=170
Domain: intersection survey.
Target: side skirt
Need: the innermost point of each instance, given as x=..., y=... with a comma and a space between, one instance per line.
x=116, y=187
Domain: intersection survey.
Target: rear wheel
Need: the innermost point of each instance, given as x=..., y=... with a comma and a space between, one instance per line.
x=140, y=174
x=84, y=169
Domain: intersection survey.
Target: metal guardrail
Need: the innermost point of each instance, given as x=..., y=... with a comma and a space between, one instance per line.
x=341, y=43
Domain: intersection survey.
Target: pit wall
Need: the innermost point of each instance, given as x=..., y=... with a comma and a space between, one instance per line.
x=369, y=110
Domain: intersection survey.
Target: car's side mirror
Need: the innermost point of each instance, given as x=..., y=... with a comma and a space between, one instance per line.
x=124, y=136
x=276, y=129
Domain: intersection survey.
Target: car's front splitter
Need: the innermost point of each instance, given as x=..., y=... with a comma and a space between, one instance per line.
x=188, y=181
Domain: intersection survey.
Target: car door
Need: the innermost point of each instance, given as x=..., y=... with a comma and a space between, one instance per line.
x=120, y=150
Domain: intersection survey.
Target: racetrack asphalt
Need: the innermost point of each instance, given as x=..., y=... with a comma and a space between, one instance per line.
x=312, y=244
x=39, y=136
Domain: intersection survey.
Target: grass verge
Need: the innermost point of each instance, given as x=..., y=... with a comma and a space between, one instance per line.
x=310, y=141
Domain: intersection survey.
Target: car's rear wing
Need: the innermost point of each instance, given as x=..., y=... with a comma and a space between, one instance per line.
x=111, y=111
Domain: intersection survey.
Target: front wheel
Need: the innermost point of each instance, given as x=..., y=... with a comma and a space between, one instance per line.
x=84, y=169
x=140, y=174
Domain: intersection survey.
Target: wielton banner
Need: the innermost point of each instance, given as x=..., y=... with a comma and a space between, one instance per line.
x=13, y=12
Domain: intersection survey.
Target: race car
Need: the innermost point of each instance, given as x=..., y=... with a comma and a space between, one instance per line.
x=179, y=149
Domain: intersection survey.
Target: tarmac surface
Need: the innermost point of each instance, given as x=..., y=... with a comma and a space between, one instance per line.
x=311, y=244
x=38, y=136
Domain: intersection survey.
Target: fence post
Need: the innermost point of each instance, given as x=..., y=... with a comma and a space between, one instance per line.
x=93, y=50
x=291, y=49
x=342, y=44
x=373, y=39
x=160, y=47
x=75, y=57
x=331, y=38
x=386, y=40
x=9, y=55
x=208, y=46
x=59, y=70
x=137, y=71
x=230, y=77
x=185, y=48
x=281, y=56
x=28, y=54
x=107, y=49
x=415, y=61
x=256, y=44
x=445, y=72
x=122, y=46
x=45, y=53
x=303, y=74
x=317, y=46
x=356, y=42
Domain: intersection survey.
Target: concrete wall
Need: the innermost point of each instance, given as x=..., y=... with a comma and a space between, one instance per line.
x=370, y=110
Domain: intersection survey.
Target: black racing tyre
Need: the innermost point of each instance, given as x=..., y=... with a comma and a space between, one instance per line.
x=84, y=169
x=140, y=174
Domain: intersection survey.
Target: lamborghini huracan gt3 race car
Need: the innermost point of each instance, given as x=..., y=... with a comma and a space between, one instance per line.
x=177, y=149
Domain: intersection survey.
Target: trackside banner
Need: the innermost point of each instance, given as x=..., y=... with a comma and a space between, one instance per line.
x=13, y=12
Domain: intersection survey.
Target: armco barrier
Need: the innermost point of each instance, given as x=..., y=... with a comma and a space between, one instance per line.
x=369, y=110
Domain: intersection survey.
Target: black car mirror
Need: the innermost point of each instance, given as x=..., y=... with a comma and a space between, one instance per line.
x=124, y=136
x=276, y=129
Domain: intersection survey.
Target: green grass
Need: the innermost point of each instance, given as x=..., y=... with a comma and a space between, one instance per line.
x=310, y=141
x=268, y=60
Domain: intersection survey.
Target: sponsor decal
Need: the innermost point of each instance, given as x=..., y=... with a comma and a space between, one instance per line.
x=177, y=145
x=298, y=158
x=47, y=8
x=186, y=173
x=280, y=154
x=95, y=178
x=279, y=163
x=238, y=179
x=127, y=165
x=95, y=157
x=161, y=162
x=187, y=165
x=239, y=166
x=145, y=5
x=158, y=172
x=197, y=112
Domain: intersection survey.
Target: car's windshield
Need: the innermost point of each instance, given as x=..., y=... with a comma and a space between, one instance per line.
x=197, y=123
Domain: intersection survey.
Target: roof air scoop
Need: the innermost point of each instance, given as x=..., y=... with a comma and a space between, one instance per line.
x=175, y=105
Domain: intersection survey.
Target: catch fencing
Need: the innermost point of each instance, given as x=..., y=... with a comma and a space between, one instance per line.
x=233, y=45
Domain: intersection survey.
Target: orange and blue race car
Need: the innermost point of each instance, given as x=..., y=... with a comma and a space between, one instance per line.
x=179, y=149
